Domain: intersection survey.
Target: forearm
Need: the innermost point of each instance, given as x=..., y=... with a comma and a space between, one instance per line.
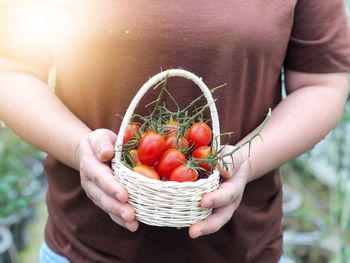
x=296, y=125
x=29, y=108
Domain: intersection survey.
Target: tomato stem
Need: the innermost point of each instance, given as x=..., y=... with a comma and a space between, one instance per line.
x=257, y=133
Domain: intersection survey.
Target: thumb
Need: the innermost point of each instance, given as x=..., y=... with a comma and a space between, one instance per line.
x=231, y=162
x=102, y=143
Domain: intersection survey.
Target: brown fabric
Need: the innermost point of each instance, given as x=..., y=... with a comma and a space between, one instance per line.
x=318, y=32
x=109, y=50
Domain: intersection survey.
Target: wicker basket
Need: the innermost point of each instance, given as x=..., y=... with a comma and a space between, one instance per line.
x=159, y=203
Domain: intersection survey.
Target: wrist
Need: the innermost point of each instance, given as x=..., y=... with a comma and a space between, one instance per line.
x=250, y=162
x=78, y=149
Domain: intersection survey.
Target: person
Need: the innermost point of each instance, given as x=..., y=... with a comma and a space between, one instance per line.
x=104, y=51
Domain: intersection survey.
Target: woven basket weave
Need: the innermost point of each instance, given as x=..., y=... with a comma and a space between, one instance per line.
x=159, y=203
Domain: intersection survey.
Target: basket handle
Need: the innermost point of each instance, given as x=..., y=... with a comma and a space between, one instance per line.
x=151, y=83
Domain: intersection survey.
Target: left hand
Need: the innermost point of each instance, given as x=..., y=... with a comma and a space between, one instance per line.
x=95, y=150
x=226, y=198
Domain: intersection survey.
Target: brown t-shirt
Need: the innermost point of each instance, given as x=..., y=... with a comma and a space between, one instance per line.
x=105, y=50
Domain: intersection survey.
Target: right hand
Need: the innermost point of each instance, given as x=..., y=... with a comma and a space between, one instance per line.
x=93, y=153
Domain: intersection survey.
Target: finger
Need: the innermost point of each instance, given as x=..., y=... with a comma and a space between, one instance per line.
x=212, y=223
x=228, y=192
x=102, y=144
x=231, y=162
x=226, y=170
x=102, y=176
x=132, y=226
x=107, y=203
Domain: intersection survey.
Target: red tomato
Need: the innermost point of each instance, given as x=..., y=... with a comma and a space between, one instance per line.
x=131, y=130
x=135, y=157
x=146, y=171
x=173, y=142
x=203, y=152
x=151, y=147
x=199, y=134
x=183, y=173
x=171, y=128
x=171, y=159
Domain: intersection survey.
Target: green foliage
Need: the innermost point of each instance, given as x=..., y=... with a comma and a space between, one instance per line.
x=16, y=172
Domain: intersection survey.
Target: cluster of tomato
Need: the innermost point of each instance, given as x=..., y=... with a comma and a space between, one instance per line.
x=172, y=153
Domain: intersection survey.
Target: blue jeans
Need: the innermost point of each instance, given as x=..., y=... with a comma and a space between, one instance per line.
x=47, y=255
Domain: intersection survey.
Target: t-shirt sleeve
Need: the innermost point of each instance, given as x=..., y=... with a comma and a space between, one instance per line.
x=320, y=37
x=25, y=44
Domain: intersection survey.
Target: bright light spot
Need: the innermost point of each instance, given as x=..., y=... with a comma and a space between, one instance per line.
x=32, y=23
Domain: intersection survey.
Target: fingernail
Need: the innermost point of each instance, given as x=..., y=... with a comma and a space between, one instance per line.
x=105, y=154
x=128, y=215
x=132, y=226
x=119, y=197
x=198, y=233
x=208, y=203
x=125, y=216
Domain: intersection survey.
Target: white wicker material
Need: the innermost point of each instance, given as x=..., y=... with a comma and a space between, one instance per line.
x=159, y=203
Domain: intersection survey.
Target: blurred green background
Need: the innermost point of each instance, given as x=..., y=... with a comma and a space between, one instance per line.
x=316, y=194
x=317, y=199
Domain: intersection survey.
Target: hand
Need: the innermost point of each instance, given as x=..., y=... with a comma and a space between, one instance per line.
x=227, y=197
x=93, y=153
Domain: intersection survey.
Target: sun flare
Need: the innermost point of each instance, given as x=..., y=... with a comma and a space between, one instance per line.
x=32, y=23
